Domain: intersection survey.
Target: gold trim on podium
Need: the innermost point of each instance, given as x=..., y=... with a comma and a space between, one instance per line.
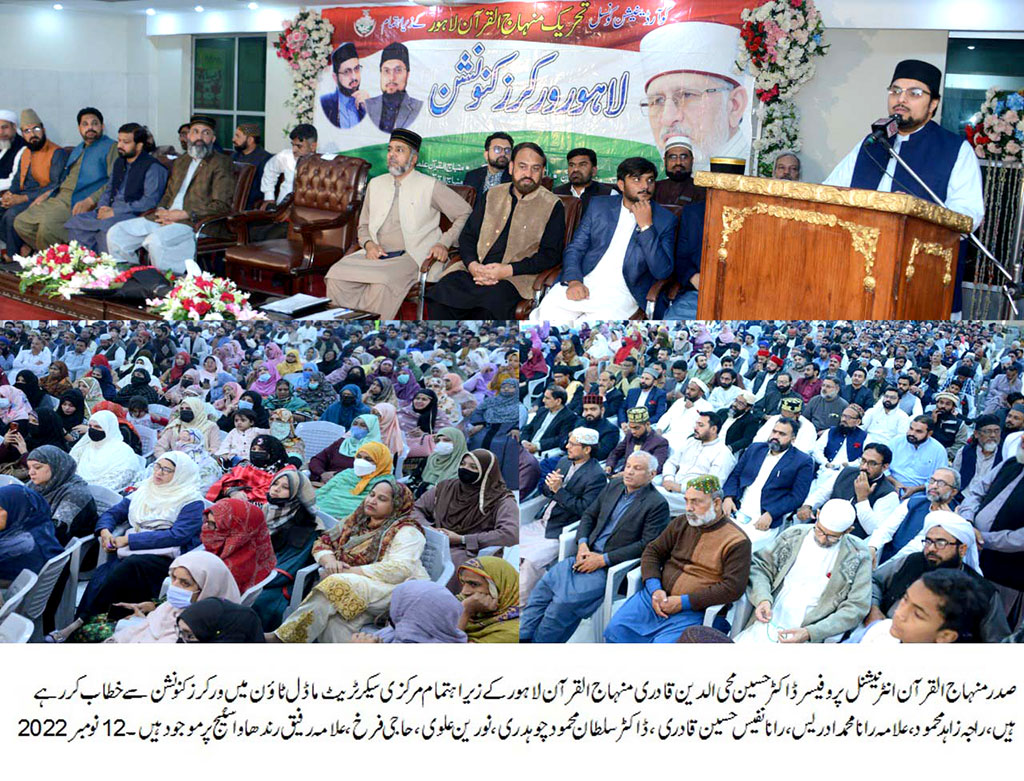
x=931, y=248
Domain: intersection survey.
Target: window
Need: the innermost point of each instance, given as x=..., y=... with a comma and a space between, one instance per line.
x=229, y=82
x=973, y=64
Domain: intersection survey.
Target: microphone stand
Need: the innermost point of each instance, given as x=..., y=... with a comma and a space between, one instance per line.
x=1006, y=289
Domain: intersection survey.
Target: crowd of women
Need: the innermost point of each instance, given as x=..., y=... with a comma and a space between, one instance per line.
x=179, y=451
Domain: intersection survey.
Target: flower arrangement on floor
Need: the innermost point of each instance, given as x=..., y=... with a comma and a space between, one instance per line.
x=779, y=40
x=997, y=131
x=305, y=44
x=66, y=270
x=202, y=296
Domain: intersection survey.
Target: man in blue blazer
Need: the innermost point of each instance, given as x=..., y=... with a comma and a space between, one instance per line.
x=621, y=247
x=646, y=396
x=771, y=480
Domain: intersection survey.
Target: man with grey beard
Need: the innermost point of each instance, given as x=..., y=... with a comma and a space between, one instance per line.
x=701, y=559
x=399, y=229
x=201, y=185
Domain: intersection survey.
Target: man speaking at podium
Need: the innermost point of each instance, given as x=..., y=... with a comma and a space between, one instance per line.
x=945, y=161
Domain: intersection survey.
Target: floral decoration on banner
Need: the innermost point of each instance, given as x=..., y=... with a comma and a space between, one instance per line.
x=997, y=131
x=204, y=297
x=66, y=270
x=305, y=44
x=779, y=40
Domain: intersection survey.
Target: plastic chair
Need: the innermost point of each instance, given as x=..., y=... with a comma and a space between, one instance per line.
x=105, y=498
x=160, y=410
x=591, y=629
x=10, y=480
x=148, y=438
x=15, y=629
x=318, y=435
x=35, y=600
x=16, y=592
x=328, y=521
x=710, y=613
x=529, y=509
x=253, y=592
x=535, y=387
x=66, y=609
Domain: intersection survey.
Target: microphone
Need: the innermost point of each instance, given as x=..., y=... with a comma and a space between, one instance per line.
x=884, y=128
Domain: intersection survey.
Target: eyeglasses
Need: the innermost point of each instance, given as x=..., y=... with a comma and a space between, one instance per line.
x=501, y=150
x=937, y=544
x=164, y=470
x=656, y=104
x=27, y=131
x=346, y=72
x=914, y=92
x=933, y=481
x=833, y=538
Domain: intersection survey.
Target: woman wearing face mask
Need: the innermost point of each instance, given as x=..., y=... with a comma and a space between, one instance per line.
x=347, y=408
x=376, y=548
x=406, y=385
x=495, y=426
x=419, y=420
x=236, y=533
x=318, y=395
x=188, y=384
x=230, y=395
x=340, y=495
x=190, y=414
x=139, y=385
x=196, y=577
x=330, y=361
x=357, y=376
x=263, y=379
x=28, y=384
x=142, y=361
x=282, y=428
x=474, y=510
x=251, y=478
x=182, y=363
x=235, y=447
x=103, y=457
x=340, y=455
x=73, y=415
x=443, y=463
x=41, y=428
x=129, y=433
x=285, y=398
x=164, y=517
x=57, y=381
x=249, y=400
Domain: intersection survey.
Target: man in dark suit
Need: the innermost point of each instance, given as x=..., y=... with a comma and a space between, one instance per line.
x=640, y=435
x=621, y=247
x=627, y=515
x=686, y=268
x=582, y=164
x=550, y=428
x=394, y=107
x=741, y=425
x=346, y=106
x=607, y=432
x=497, y=154
x=570, y=488
x=647, y=395
x=770, y=481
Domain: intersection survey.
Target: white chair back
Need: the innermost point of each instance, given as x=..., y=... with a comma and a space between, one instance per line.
x=253, y=592
x=9, y=480
x=66, y=609
x=104, y=497
x=317, y=435
x=16, y=592
x=437, y=557
x=15, y=629
x=34, y=604
x=328, y=521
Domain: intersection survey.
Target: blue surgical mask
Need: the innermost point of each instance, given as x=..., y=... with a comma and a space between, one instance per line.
x=244, y=404
x=5, y=403
x=358, y=432
x=314, y=385
x=178, y=597
x=264, y=376
x=403, y=379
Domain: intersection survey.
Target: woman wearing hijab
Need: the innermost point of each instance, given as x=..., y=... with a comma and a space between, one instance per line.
x=495, y=427
x=390, y=431
x=330, y=361
x=182, y=363
x=445, y=405
x=218, y=620
x=477, y=384
x=196, y=576
x=41, y=428
x=406, y=385
x=377, y=547
x=139, y=384
x=420, y=612
x=54, y=475
x=72, y=415
x=474, y=510
x=103, y=457
x=357, y=376
x=340, y=495
x=250, y=480
x=381, y=391
x=284, y=398
x=263, y=379
x=191, y=414
x=535, y=366
x=282, y=428
x=188, y=384
x=458, y=394
x=164, y=517
x=103, y=376
x=129, y=433
x=341, y=453
x=236, y=532
x=292, y=363
x=489, y=591
x=443, y=463
x=348, y=407
x=273, y=354
x=14, y=406
x=27, y=539
x=28, y=383
x=57, y=381
x=143, y=362
x=318, y=395
x=253, y=402
x=419, y=420
x=385, y=369
x=231, y=394
x=209, y=372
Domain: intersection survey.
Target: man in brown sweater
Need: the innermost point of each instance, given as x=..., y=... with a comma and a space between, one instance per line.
x=701, y=559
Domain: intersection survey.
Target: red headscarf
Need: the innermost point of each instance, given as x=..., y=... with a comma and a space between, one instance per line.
x=177, y=371
x=119, y=412
x=535, y=365
x=630, y=343
x=100, y=360
x=240, y=539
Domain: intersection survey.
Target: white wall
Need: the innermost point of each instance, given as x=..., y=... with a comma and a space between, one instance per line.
x=279, y=89
x=847, y=93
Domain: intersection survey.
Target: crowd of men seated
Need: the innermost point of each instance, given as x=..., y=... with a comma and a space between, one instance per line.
x=779, y=481
x=286, y=482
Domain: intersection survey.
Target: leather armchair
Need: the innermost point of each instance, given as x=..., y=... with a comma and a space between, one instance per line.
x=322, y=217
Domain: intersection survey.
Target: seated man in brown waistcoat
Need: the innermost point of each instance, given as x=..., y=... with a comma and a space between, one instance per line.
x=515, y=232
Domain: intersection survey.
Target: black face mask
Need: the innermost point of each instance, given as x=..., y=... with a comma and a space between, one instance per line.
x=259, y=458
x=137, y=380
x=96, y=434
x=348, y=401
x=468, y=477
x=278, y=501
x=187, y=416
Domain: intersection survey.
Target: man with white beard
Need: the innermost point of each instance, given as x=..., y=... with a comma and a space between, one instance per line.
x=701, y=559
x=812, y=583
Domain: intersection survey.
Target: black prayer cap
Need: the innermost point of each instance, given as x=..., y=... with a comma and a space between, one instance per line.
x=344, y=52
x=395, y=51
x=407, y=137
x=562, y=369
x=921, y=71
x=203, y=119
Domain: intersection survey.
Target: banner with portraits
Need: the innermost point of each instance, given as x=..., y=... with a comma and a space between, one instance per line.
x=619, y=79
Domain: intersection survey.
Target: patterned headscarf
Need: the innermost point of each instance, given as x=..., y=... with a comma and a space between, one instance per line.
x=503, y=582
x=240, y=539
x=356, y=542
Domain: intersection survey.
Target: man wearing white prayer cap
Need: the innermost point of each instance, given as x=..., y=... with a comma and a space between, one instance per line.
x=812, y=583
x=693, y=89
x=11, y=147
x=677, y=424
x=677, y=187
x=946, y=542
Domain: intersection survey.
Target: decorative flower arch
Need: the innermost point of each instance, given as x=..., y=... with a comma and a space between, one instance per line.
x=305, y=44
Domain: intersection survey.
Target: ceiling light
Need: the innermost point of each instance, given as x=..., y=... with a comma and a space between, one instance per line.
x=58, y=7
x=970, y=48
x=199, y=9
x=150, y=12
x=253, y=6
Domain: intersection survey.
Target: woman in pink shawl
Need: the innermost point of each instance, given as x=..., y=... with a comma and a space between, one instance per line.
x=230, y=354
x=273, y=353
x=477, y=384
x=189, y=382
x=390, y=432
x=13, y=405
x=264, y=378
x=195, y=575
x=228, y=402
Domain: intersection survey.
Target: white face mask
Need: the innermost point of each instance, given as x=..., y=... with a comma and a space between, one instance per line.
x=362, y=467
x=179, y=597
x=444, y=448
x=280, y=430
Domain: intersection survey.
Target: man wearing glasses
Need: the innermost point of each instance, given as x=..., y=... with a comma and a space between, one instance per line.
x=346, y=106
x=900, y=528
x=944, y=160
x=497, y=156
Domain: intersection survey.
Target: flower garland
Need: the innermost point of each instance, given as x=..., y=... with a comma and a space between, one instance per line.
x=66, y=270
x=305, y=44
x=778, y=41
x=204, y=297
x=997, y=131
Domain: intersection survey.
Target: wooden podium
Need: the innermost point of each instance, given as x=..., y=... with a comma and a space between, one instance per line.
x=775, y=249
